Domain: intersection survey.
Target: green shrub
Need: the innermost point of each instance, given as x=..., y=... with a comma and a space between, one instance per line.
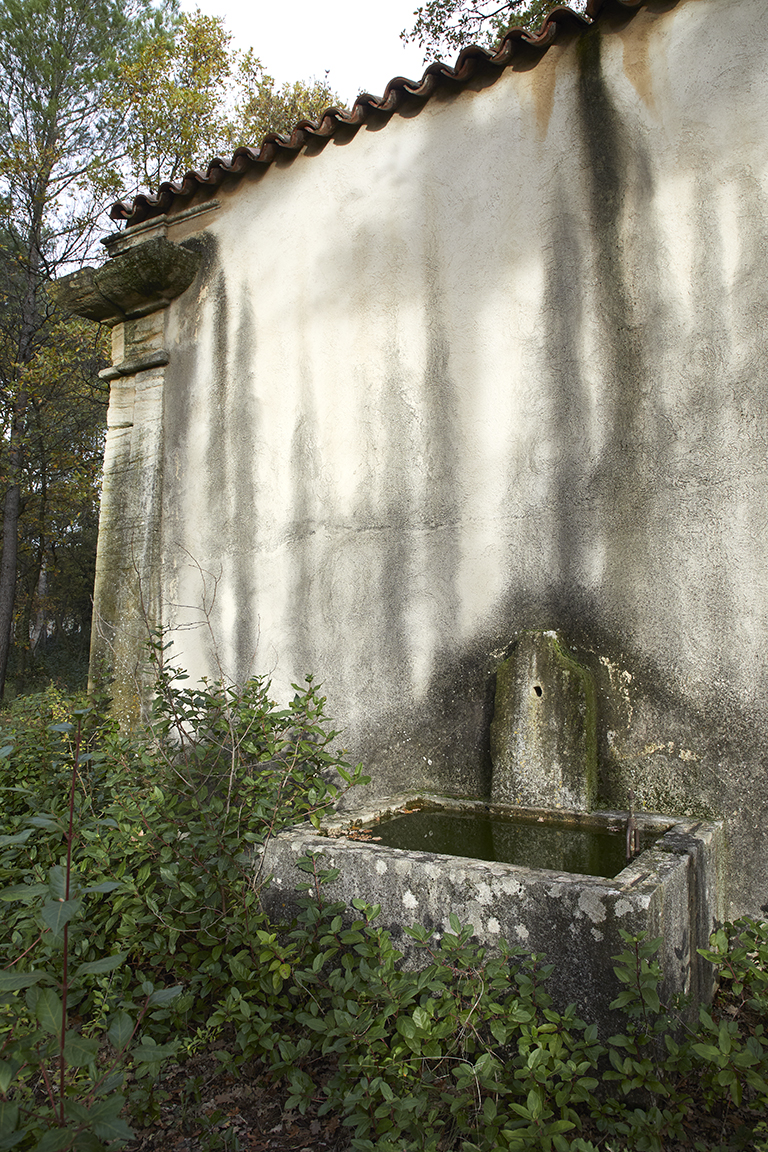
x=127, y=872
x=134, y=935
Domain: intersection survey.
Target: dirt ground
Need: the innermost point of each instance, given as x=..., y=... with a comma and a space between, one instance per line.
x=246, y=1114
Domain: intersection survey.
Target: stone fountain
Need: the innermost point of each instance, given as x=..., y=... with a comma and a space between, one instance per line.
x=544, y=751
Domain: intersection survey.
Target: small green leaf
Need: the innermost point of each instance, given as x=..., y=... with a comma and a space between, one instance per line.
x=24, y=892
x=165, y=995
x=7, y=1072
x=9, y=1117
x=54, y=1141
x=724, y=1037
x=421, y=1019
x=13, y=981
x=112, y=1083
x=57, y=882
x=105, y=1118
x=406, y=1027
x=120, y=1030
x=48, y=1011
x=17, y=838
x=105, y=886
x=534, y=1104
x=57, y=913
x=50, y=822
x=154, y=1053
x=651, y=997
x=500, y=1031
x=79, y=1051
x=105, y=964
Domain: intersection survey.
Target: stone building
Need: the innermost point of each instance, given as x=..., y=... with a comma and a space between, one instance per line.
x=484, y=356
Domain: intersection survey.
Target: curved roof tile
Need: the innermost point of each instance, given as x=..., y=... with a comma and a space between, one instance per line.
x=398, y=90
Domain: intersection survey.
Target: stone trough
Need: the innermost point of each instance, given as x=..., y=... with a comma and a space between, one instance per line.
x=543, y=742
x=670, y=890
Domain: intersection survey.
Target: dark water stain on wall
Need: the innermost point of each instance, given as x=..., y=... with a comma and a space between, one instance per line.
x=243, y=438
x=611, y=163
x=307, y=571
x=181, y=390
x=565, y=400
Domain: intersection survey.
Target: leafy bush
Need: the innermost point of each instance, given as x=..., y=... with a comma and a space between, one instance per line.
x=128, y=869
x=134, y=935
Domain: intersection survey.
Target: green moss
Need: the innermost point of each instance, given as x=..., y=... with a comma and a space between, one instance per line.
x=568, y=662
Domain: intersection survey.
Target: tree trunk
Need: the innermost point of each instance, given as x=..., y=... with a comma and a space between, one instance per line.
x=31, y=321
x=8, y=576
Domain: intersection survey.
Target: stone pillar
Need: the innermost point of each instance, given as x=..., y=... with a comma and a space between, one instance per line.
x=130, y=293
x=544, y=733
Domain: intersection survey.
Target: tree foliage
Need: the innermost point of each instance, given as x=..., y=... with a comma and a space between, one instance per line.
x=443, y=27
x=58, y=137
x=263, y=106
x=63, y=449
x=189, y=96
x=95, y=95
x=60, y=140
x=173, y=92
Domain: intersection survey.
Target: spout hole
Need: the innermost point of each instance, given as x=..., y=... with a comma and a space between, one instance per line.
x=537, y=689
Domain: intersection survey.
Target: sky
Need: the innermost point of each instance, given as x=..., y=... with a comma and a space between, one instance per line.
x=356, y=41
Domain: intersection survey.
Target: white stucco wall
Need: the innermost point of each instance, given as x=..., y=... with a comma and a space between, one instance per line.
x=498, y=365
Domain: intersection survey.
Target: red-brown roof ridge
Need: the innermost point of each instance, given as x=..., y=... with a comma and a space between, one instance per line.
x=398, y=90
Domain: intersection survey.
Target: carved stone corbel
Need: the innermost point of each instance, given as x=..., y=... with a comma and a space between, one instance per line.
x=133, y=283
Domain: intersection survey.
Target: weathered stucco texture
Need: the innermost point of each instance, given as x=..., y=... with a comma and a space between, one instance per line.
x=493, y=364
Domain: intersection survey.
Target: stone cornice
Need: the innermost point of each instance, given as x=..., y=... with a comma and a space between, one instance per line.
x=135, y=282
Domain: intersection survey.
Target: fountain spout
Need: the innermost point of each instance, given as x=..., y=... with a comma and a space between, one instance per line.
x=544, y=730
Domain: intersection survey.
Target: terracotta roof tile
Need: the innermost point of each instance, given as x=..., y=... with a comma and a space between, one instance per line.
x=400, y=89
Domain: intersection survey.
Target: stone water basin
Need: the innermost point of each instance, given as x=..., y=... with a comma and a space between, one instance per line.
x=579, y=845
x=670, y=890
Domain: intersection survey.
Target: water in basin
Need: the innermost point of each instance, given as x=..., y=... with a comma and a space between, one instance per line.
x=563, y=847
